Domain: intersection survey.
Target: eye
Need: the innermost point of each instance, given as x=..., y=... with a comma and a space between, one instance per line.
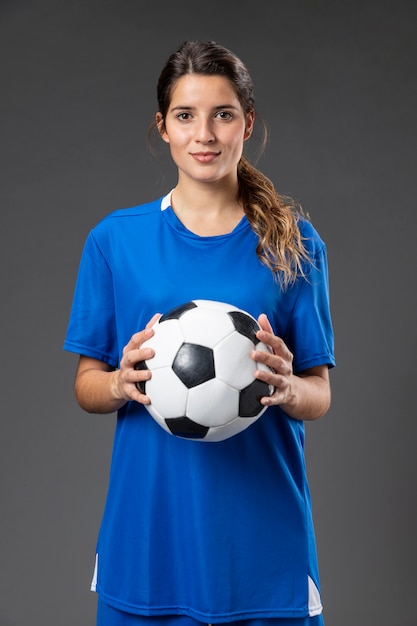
x=224, y=115
x=184, y=116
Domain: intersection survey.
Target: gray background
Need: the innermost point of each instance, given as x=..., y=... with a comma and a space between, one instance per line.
x=336, y=84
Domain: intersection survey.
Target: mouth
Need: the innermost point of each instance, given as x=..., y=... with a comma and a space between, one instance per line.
x=205, y=157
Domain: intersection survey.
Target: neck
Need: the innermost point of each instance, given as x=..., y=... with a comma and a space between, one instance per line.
x=207, y=209
x=199, y=196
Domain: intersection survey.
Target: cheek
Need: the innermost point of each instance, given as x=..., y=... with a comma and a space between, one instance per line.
x=237, y=136
x=175, y=151
x=236, y=143
x=176, y=140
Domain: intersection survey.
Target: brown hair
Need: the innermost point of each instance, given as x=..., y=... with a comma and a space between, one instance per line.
x=272, y=216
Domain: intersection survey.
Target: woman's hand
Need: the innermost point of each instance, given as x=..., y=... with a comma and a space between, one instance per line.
x=279, y=359
x=100, y=388
x=126, y=377
x=302, y=396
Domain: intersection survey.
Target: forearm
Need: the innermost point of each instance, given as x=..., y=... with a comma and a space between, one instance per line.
x=308, y=397
x=96, y=391
x=99, y=388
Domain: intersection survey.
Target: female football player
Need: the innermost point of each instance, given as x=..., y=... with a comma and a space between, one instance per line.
x=206, y=533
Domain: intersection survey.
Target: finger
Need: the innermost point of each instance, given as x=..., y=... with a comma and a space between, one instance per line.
x=274, y=399
x=275, y=364
x=264, y=323
x=135, y=355
x=281, y=385
x=137, y=396
x=140, y=337
x=143, y=335
x=277, y=346
x=133, y=384
x=267, y=336
x=153, y=320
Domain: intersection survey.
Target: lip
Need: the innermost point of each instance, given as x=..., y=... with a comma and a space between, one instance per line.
x=204, y=157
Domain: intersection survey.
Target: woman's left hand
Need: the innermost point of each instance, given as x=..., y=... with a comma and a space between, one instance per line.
x=304, y=395
x=279, y=359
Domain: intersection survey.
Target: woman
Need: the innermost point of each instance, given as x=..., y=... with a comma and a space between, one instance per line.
x=192, y=532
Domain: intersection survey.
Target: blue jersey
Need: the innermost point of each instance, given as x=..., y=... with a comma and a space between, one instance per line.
x=216, y=531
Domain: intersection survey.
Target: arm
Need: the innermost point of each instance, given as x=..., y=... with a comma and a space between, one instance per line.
x=305, y=396
x=99, y=388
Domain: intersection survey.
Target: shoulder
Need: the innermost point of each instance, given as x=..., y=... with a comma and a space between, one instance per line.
x=312, y=241
x=126, y=220
x=132, y=213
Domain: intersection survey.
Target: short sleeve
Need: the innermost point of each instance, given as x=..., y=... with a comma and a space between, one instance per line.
x=309, y=334
x=92, y=327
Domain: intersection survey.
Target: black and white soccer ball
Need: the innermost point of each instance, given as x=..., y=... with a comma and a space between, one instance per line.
x=203, y=385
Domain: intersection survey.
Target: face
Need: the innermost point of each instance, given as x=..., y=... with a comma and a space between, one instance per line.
x=205, y=127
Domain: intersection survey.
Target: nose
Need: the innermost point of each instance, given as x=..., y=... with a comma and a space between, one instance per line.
x=204, y=131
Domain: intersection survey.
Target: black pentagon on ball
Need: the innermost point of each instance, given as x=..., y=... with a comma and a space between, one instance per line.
x=249, y=398
x=184, y=427
x=245, y=324
x=175, y=314
x=141, y=384
x=194, y=364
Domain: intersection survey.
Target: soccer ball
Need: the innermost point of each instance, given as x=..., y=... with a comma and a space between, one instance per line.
x=202, y=385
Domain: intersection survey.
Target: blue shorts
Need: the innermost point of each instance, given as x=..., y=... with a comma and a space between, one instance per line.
x=109, y=616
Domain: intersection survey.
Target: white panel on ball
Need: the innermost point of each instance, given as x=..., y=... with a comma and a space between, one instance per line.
x=233, y=362
x=215, y=323
x=173, y=401
x=213, y=403
x=234, y=427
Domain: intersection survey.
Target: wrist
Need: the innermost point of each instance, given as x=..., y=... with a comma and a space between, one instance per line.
x=290, y=401
x=115, y=388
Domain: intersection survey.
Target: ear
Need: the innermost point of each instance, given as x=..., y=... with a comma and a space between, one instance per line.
x=160, y=124
x=250, y=120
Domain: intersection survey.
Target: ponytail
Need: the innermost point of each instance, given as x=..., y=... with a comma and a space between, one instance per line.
x=274, y=219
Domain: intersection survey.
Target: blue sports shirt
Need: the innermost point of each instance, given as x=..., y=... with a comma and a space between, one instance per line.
x=216, y=531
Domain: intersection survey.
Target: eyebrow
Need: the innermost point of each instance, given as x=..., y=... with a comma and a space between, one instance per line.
x=216, y=108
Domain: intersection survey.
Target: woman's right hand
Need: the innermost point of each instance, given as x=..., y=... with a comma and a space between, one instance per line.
x=126, y=377
x=99, y=388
